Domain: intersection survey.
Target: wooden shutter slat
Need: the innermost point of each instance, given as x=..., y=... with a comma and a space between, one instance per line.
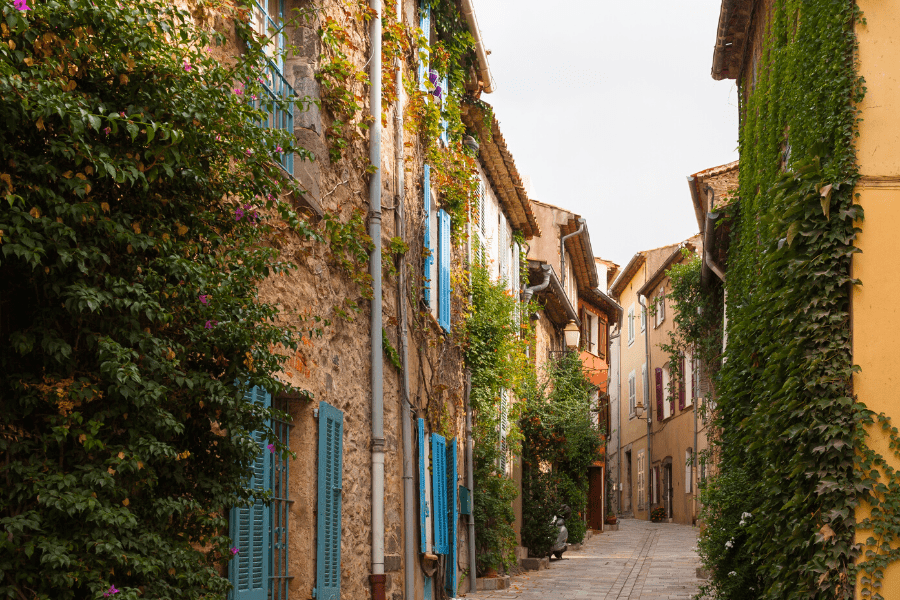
x=444, y=269
x=450, y=583
x=423, y=503
x=328, y=509
x=439, y=492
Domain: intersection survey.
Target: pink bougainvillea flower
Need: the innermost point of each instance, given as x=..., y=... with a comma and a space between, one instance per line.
x=278, y=149
x=21, y=5
x=234, y=550
x=238, y=91
x=122, y=113
x=208, y=49
x=248, y=151
x=253, y=97
x=211, y=324
x=204, y=298
x=187, y=66
x=238, y=214
x=271, y=448
x=218, y=138
x=106, y=130
x=112, y=589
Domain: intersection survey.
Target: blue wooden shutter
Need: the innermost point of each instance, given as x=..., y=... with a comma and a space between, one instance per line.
x=439, y=492
x=444, y=269
x=450, y=583
x=445, y=97
x=423, y=502
x=328, y=509
x=429, y=252
x=250, y=530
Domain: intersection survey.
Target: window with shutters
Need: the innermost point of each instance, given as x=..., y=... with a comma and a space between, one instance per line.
x=682, y=378
x=661, y=309
x=429, y=250
x=631, y=325
x=328, y=507
x=266, y=18
x=640, y=479
x=452, y=517
x=631, y=395
x=478, y=223
x=280, y=507
x=439, y=493
x=643, y=318
x=425, y=26
x=250, y=525
x=423, y=495
x=444, y=269
x=645, y=384
x=689, y=471
x=660, y=396
x=504, y=429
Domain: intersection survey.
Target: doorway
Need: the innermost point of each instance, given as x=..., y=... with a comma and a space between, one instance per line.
x=627, y=501
x=595, y=498
x=667, y=488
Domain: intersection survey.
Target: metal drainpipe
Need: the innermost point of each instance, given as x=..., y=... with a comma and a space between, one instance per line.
x=409, y=516
x=694, y=458
x=470, y=481
x=377, y=577
x=562, y=252
x=619, y=424
x=643, y=302
x=528, y=292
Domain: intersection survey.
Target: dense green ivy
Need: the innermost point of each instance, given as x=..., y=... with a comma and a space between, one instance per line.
x=138, y=193
x=793, y=459
x=559, y=443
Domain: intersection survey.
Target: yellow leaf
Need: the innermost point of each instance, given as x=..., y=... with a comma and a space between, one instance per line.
x=125, y=502
x=104, y=206
x=182, y=230
x=72, y=70
x=40, y=123
x=28, y=62
x=129, y=249
x=89, y=170
x=165, y=237
x=7, y=179
x=111, y=471
x=81, y=176
x=68, y=174
x=140, y=465
x=12, y=45
x=792, y=232
x=171, y=571
x=82, y=438
x=35, y=212
x=827, y=532
x=123, y=79
x=46, y=269
x=136, y=227
x=121, y=455
x=71, y=85
x=87, y=189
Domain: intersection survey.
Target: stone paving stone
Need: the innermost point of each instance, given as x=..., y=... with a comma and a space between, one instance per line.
x=649, y=561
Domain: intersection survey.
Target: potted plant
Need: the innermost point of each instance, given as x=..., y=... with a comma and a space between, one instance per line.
x=658, y=514
x=610, y=518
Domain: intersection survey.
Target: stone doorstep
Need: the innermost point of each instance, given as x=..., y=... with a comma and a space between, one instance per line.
x=608, y=527
x=492, y=583
x=535, y=564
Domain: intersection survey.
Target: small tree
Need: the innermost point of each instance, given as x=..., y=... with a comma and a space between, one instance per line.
x=138, y=194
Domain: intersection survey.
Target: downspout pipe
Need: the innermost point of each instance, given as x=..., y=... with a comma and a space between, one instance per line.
x=528, y=292
x=617, y=336
x=409, y=506
x=649, y=407
x=708, y=232
x=480, y=52
x=377, y=578
x=562, y=250
x=470, y=482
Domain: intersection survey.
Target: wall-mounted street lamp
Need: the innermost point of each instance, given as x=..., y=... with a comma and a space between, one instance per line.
x=573, y=335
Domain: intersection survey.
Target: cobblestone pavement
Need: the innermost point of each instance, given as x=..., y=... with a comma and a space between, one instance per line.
x=640, y=561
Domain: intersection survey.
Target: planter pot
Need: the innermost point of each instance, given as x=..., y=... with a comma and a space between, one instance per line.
x=610, y=520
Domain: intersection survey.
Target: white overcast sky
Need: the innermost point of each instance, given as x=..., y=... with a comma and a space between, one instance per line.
x=608, y=106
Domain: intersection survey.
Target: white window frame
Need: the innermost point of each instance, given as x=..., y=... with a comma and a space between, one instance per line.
x=640, y=480
x=643, y=318
x=631, y=327
x=632, y=395
x=645, y=379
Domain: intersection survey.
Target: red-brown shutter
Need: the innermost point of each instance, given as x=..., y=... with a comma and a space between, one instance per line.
x=681, y=384
x=659, y=394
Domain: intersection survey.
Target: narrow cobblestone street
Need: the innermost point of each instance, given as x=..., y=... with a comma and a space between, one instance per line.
x=640, y=561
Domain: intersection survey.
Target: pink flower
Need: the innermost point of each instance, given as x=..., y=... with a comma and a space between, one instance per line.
x=253, y=96
x=234, y=551
x=122, y=114
x=204, y=298
x=238, y=215
x=271, y=448
x=208, y=49
x=22, y=5
x=218, y=138
x=211, y=324
x=238, y=91
x=278, y=149
x=112, y=589
x=187, y=66
x=248, y=151
x=106, y=130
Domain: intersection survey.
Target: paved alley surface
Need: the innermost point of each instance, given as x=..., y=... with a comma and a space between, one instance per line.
x=640, y=561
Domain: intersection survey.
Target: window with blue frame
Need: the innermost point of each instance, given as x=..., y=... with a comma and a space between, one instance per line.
x=267, y=18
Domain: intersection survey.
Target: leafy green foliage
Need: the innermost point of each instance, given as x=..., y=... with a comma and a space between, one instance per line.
x=495, y=354
x=791, y=436
x=558, y=431
x=139, y=193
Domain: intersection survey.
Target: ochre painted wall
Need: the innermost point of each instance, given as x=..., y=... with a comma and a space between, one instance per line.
x=875, y=313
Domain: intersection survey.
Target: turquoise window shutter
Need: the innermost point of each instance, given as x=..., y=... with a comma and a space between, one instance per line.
x=429, y=252
x=328, y=540
x=445, y=96
x=450, y=583
x=444, y=269
x=250, y=527
x=423, y=502
x=439, y=492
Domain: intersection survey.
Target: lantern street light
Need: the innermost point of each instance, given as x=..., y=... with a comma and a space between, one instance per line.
x=573, y=335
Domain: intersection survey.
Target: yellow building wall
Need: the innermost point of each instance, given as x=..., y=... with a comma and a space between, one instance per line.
x=875, y=312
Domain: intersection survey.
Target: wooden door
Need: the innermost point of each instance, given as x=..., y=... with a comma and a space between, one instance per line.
x=595, y=498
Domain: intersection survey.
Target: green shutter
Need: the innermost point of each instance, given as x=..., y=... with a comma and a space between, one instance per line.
x=450, y=583
x=328, y=509
x=439, y=492
x=250, y=528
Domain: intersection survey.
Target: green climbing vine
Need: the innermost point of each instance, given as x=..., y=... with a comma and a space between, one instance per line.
x=795, y=466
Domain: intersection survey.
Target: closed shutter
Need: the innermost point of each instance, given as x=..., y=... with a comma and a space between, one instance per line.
x=450, y=580
x=516, y=285
x=444, y=269
x=439, y=492
x=429, y=253
x=504, y=427
x=423, y=501
x=681, y=383
x=659, y=394
x=250, y=530
x=502, y=251
x=328, y=508
x=445, y=95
